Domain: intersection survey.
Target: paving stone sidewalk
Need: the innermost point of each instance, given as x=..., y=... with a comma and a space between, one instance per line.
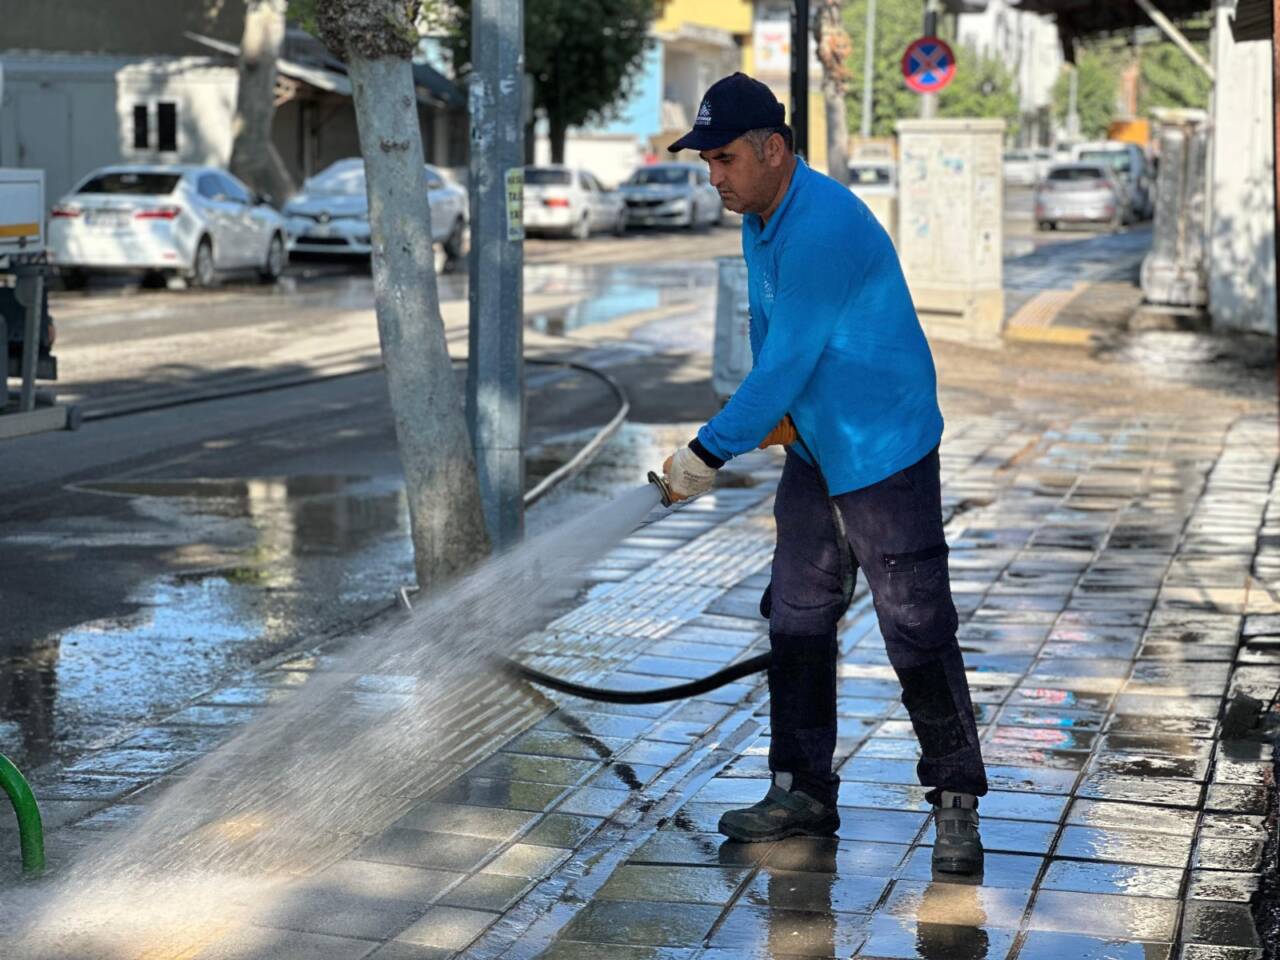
x=1115, y=579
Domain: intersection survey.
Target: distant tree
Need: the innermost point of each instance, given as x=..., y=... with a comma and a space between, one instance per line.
x=583, y=56
x=982, y=87
x=897, y=24
x=1097, y=89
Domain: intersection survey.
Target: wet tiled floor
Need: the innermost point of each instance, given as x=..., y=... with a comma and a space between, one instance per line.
x=1098, y=568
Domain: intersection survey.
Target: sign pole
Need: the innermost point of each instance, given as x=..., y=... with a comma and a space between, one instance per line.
x=929, y=101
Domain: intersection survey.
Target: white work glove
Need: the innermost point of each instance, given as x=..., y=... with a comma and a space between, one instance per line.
x=687, y=475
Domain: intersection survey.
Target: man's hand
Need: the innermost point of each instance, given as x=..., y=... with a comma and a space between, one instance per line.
x=784, y=433
x=687, y=475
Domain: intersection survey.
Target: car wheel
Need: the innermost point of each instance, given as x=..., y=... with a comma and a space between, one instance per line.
x=274, y=265
x=582, y=229
x=455, y=245
x=73, y=278
x=202, y=271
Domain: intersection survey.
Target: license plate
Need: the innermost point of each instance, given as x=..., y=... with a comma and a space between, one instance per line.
x=320, y=230
x=106, y=218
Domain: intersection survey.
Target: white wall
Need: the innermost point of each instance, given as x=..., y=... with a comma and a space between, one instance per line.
x=68, y=114
x=1242, y=279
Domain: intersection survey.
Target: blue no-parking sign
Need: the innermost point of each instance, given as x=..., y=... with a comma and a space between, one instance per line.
x=928, y=65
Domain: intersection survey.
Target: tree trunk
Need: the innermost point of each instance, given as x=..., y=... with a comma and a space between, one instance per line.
x=834, y=48
x=446, y=517
x=557, y=130
x=253, y=156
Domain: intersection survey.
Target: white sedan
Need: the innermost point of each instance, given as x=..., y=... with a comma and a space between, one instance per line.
x=173, y=219
x=570, y=202
x=331, y=213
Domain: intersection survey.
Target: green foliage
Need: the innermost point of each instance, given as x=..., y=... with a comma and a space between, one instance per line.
x=982, y=87
x=583, y=55
x=1097, y=88
x=1170, y=79
x=1167, y=78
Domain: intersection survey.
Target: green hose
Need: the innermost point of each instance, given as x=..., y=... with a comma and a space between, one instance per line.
x=30, y=830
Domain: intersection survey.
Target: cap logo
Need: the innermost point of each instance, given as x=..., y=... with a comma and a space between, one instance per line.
x=704, y=115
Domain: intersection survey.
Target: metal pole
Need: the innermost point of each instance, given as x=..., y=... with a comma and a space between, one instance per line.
x=495, y=364
x=1073, y=106
x=800, y=75
x=929, y=101
x=869, y=69
x=30, y=293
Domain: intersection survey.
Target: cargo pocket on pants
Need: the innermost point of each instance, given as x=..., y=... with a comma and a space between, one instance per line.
x=917, y=600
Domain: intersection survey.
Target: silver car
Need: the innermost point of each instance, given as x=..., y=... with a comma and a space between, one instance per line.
x=673, y=195
x=331, y=213
x=1080, y=193
x=172, y=219
x=570, y=202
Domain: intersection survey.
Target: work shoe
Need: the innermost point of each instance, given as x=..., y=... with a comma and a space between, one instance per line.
x=957, y=847
x=782, y=813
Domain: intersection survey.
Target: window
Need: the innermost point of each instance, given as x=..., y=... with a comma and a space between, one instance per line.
x=210, y=186
x=141, y=127
x=434, y=180
x=167, y=127
x=143, y=184
x=1077, y=174
x=233, y=190
x=545, y=177
x=704, y=176
x=589, y=182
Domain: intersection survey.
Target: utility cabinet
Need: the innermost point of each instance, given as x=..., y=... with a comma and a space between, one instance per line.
x=951, y=225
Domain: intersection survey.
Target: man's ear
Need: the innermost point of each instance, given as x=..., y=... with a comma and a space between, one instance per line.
x=774, y=149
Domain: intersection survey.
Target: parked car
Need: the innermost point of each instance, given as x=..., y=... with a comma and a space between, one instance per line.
x=174, y=219
x=571, y=202
x=1019, y=168
x=1080, y=193
x=672, y=194
x=331, y=212
x=1129, y=164
x=873, y=179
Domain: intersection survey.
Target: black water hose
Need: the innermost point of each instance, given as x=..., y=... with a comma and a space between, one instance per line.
x=681, y=691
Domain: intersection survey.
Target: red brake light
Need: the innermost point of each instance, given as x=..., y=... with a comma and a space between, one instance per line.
x=555, y=202
x=64, y=212
x=159, y=213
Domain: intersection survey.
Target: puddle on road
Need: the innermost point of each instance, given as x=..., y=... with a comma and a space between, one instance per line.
x=306, y=553
x=1236, y=363
x=612, y=291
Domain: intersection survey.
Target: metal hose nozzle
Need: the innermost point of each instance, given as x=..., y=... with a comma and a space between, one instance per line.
x=663, y=487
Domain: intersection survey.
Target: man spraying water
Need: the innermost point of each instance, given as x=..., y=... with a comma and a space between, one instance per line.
x=843, y=377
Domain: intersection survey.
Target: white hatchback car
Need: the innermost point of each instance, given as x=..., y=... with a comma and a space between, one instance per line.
x=568, y=201
x=174, y=219
x=331, y=212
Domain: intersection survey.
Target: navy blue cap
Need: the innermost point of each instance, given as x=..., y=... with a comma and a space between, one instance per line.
x=730, y=108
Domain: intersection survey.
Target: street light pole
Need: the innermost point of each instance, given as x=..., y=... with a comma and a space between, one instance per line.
x=495, y=364
x=800, y=76
x=869, y=69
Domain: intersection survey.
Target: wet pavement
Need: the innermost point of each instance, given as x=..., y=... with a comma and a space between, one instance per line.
x=1116, y=580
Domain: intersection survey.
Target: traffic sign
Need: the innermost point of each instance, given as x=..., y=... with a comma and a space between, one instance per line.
x=928, y=65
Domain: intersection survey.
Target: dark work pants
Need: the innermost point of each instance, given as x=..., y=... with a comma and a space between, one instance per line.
x=894, y=529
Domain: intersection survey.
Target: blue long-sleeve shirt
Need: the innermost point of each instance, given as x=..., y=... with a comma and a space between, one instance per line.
x=835, y=340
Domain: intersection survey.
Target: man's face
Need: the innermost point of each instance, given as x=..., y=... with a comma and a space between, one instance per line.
x=747, y=182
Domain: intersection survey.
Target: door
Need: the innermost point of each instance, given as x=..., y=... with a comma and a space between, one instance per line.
x=595, y=201
x=216, y=212
x=252, y=234
x=44, y=138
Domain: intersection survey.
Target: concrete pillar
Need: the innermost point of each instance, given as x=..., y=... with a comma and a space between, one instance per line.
x=1242, y=268
x=951, y=225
